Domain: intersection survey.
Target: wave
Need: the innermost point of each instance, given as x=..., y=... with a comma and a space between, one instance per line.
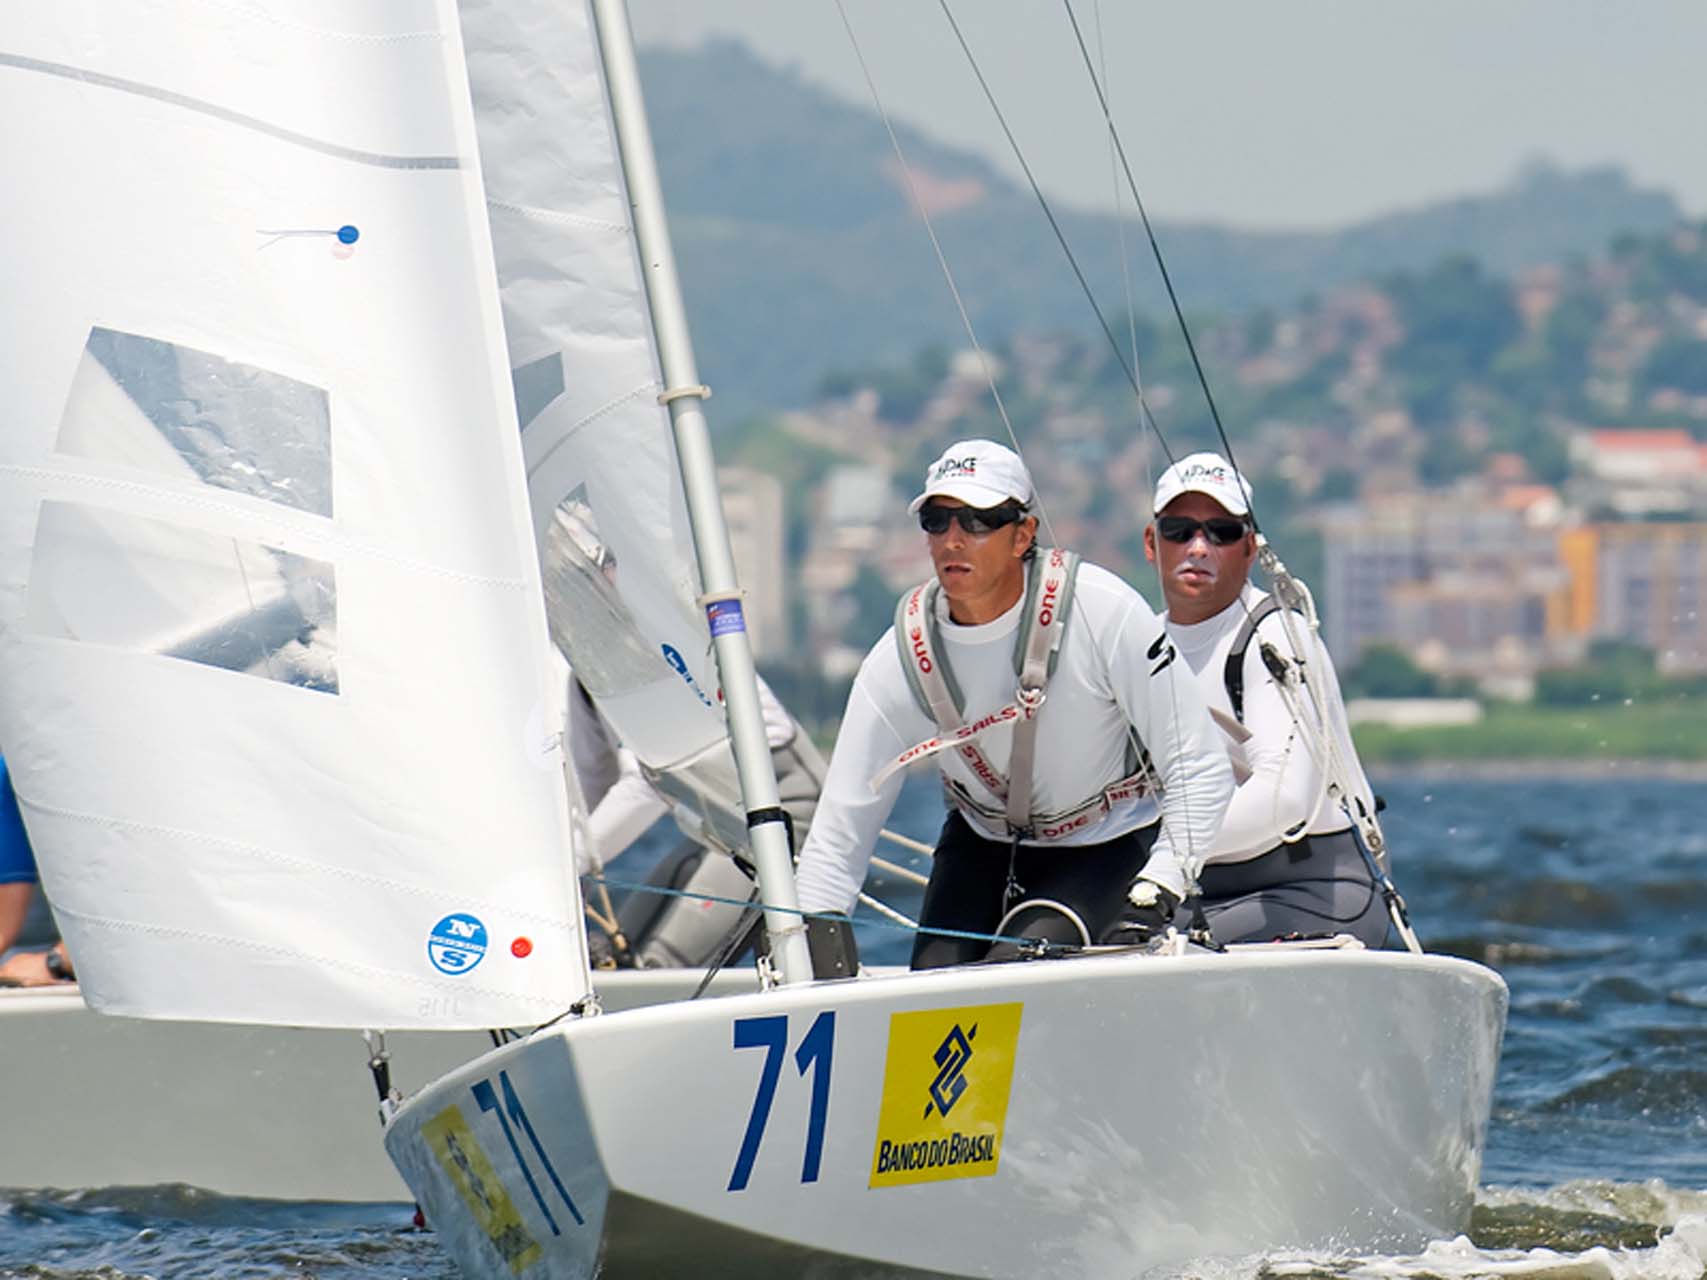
x=186, y=1233
x=1654, y=1092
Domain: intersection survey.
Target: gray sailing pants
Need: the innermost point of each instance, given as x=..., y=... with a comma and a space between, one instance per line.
x=1319, y=885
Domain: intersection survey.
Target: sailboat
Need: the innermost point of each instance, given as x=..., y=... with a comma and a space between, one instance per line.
x=1098, y=1116
x=365, y=222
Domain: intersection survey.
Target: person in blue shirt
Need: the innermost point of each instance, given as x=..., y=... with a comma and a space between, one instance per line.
x=18, y=879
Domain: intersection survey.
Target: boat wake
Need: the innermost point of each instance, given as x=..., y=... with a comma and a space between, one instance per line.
x=1583, y=1230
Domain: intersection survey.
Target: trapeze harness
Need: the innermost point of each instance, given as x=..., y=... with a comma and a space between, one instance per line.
x=1037, y=649
x=1233, y=675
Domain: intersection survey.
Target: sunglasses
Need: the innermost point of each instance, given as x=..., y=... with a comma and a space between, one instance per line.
x=974, y=520
x=1221, y=531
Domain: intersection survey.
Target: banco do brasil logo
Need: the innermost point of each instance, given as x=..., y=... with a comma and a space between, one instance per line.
x=946, y=1080
x=951, y=1057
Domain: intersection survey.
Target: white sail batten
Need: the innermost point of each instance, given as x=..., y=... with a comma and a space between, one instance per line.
x=615, y=544
x=273, y=677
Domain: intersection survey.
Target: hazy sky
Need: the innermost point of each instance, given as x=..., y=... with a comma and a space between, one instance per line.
x=1268, y=112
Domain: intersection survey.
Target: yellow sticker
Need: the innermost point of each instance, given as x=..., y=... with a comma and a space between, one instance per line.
x=945, y=1094
x=476, y=1181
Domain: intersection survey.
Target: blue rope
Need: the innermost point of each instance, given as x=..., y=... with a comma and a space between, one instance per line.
x=878, y=922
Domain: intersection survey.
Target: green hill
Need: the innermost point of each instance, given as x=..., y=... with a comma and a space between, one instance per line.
x=799, y=254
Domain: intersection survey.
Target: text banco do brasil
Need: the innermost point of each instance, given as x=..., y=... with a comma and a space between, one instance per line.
x=935, y=1153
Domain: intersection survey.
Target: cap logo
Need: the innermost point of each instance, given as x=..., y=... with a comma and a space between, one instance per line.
x=1202, y=471
x=954, y=468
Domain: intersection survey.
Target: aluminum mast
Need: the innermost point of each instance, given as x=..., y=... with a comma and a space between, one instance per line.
x=685, y=396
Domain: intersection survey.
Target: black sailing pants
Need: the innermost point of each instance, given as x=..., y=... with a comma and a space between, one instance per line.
x=968, y=889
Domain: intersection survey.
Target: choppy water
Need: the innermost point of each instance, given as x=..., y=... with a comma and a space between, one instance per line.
x=1589, y=896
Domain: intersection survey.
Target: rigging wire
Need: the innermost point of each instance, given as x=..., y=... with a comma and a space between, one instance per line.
x=1338, y=778
x=942, y=259
x=1130, y=369
x=1060, y=235
x=1120, y=227
x=1155, y=246
x=1287, y=586
x=1158, y=771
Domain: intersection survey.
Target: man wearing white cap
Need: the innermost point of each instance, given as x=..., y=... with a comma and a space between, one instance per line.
x=1050, y=700
x=1285, y=860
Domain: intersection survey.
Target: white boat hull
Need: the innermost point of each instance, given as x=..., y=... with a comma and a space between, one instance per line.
x=275, y=1112
x=1117, y=1113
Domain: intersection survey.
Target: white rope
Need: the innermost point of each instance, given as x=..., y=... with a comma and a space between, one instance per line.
x=896, y=869
x=888, y=911
x=907, y=842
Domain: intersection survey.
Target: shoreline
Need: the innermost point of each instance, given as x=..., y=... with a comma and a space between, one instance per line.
x=1609, y=769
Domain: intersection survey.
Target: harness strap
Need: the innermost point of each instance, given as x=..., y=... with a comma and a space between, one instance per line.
x=933, y=684
x=1047, y=827
x=1037, y=650
x=920, y=645
x=1233, y=675
x=1049, y=598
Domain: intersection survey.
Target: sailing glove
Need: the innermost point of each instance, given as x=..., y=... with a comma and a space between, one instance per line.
x=1147, y=913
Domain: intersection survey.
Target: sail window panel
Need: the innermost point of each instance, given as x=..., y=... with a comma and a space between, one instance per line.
x=131, y=582
x=590, y=621
x=537, y=384
x=175, y=411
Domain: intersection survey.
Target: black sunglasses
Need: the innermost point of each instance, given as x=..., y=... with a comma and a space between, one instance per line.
x=974, y=520
x=1222, y=531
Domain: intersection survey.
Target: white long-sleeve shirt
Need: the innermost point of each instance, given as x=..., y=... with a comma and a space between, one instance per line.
x=1281, y=780
x=1105, y=686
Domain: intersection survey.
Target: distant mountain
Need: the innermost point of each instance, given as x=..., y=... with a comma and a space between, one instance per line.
x=799, y=253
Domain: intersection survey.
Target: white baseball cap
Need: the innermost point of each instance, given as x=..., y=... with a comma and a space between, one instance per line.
x=1208, y=473
x=981, y=473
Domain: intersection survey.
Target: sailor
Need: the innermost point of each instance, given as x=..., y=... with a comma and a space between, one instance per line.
x=1286, y=860
x=18, y=880
x=1081, y=768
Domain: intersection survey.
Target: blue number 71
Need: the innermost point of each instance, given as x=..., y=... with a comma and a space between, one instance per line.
x=816, y=1050
x=488, y=1100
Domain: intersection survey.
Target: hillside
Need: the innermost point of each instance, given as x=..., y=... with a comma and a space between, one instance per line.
x=799, y=255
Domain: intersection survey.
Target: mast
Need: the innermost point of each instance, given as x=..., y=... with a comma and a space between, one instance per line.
x=685, y=397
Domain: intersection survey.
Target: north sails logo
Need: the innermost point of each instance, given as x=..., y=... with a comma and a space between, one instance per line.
x=951, y=1058
x=955, y=468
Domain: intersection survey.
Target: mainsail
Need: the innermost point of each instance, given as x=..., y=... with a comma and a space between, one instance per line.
x=274, y=684
x=612, y=524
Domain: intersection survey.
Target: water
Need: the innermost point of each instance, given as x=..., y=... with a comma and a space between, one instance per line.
x=1587, y=894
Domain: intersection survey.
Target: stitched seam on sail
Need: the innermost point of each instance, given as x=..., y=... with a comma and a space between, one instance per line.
x=305, y=533
x=649, y=389
x=556, y=215
x=419, y=980
x=276, y=857
x=646, y=389
x=98, y=79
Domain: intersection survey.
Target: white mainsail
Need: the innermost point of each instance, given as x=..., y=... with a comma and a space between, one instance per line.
x=274, y=685
x=612, y=523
